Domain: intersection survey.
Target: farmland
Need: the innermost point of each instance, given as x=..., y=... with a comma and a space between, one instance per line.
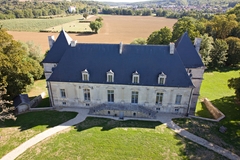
x=115, y=29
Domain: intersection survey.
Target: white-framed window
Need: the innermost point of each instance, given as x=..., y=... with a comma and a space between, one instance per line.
x=162, y=78
x=134, y=97
x=85, y=75
x=176, y=109
x=135, y=77
x=110, y=76
x=62, y=92
x=178, y=99
x=159, y=98
x=86, y=93
x=64, y=103
x=110, y=94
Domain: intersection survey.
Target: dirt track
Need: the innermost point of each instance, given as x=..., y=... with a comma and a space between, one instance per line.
x=115, y=29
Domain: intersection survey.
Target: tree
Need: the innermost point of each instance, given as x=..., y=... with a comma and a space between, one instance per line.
x=234, y=83
x=185, y=24
x=163, y=36
x=85, y=15
x=140, y=41
x=222, y=25
x=5, y=106
x=233, y=57
x=95, y=26
x=219, y=53
x=94, y=11
x=206, y=49
x=99, y=19
x=236, y=11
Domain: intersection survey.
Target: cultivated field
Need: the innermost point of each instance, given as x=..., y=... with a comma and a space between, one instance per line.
x=115, y=29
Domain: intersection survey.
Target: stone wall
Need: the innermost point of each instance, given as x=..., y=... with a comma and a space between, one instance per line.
x=34, y=103
x=213, y=110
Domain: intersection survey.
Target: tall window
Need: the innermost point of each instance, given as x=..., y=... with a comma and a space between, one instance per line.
x=110, y=95
x=85, y=75
x=62, y=92
x=159, y=98
x=86, y=93
x=178, y=99
x=162, y=78
x=135, y=77
x=134, y=97
x=110, y=76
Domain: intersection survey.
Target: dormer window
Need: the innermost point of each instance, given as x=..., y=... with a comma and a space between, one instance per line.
x=110, y=76
x=135, y=77
x=85, y=75
x=162, y=78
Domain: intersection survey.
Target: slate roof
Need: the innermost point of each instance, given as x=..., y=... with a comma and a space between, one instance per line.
x=187, y=52
x=148, y=60
x=21, y=98
x=58, y=49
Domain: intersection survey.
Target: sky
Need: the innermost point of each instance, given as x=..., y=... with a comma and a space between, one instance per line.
x=130, y=1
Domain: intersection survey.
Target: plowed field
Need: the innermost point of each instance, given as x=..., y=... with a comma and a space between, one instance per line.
x=115, y=29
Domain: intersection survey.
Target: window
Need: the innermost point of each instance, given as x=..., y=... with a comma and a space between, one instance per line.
x=63, y=94
x=159, y=98
x=176, y=109
x=158, y=109
x=110, y=95
x=178, y=99
x=86, y=93
x=64, y=103
x=85, y=75
x=162, y=78
x=135, y=78
x=134, y=97
x=110, y=76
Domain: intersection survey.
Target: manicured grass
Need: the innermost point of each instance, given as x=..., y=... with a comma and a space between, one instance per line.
x=99, y=138
x=13, y=133
x=38, y=88
x=36, y=24
x=215, y=88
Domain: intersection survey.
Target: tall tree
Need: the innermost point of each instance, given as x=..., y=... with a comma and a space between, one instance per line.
x=234, y=83
x=163, y=36
x=206, y=49
x=222, y=25
x=185, y=24
x=233, y=57
x=219, y=53
x=140, y=41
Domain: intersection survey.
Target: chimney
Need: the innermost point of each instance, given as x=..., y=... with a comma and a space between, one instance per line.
x=73, y=43
x=197, y=43
x=51, y=40
x=120, y=47
x=172, y=47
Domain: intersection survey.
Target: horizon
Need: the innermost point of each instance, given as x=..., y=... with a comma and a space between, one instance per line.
x=128, y=1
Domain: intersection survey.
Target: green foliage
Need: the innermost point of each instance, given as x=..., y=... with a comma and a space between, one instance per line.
x=219, y=53
x=96, y=25
x=234, y=83
x=16, y=66
x=185, y=24
x=163, y=36
x=85, y=15
x=140, y=41
x=206, y=48
x=94, y=11
x=233, y=57
x=222, y=25
x=235, y=10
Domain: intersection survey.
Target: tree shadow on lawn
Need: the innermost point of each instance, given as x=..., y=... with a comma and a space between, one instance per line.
x=108, y=124
x=223, y=69
x=32, y=119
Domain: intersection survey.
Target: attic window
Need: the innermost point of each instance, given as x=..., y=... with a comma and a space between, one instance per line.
x=85, y=75
x=110, y=76
x=162, y=78
x=135, y=77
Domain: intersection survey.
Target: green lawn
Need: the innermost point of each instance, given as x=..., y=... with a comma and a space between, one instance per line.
x=215, y=88
x=14, y=133
x=36, y=24
x=99, y=138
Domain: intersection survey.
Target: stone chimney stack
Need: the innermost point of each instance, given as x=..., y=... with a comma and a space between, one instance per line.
x=172, y=47
x=197, y=43
x=73, y=43
x=51, y=40
x=120, y=48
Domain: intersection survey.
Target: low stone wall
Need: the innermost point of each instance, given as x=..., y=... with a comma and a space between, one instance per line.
x=33, y=103
x=217, y=114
